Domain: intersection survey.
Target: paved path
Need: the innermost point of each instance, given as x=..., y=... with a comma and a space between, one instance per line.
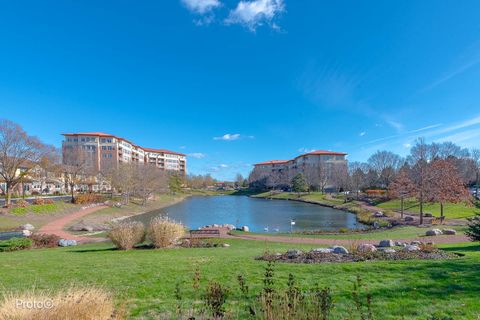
x=57, y=226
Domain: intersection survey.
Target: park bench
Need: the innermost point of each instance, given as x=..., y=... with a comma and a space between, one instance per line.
x=205, y=232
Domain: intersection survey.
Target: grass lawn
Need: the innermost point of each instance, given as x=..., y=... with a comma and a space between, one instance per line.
x=319, y=197
x=145, y=279
x=394, y=233
x=451, y=210
x=37, y=215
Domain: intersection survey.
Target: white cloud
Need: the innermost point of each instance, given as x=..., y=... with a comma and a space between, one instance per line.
x=182, y=147
x=197, y=155
x=305, y=150
x=228, y=137
x=361, y=134
x=224, y=165
x=201, y=6
x=253, y=14
x=407, y=145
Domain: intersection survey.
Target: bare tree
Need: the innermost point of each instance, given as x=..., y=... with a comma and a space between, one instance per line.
x=385, y=164
x=316, y=176
x=357, y=176
x=239, y=180
x=420, y=156
x=18, y=153
x=148, y=179
x=75, y=169
x=122, y=179
x=476, y=160
x=402, y=187
x=444, y=184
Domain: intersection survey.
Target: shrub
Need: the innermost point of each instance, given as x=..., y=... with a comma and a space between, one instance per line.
x=87, y=198
x=21, y=203
x=473, y=231
x=215, y=298
x=126, y=235
x=15, y=244
x=73, y=303
x=164, y=232
x=45, y=240
x=38, y=201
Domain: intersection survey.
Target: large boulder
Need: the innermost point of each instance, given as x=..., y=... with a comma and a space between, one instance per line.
x=389, y=250
x=433, y=232
x=366, y=248
x=386, y=243
x=67, y=243
x=82, y=226
x=408, y=218
x=322, y=250
x=378, y=214
x=449, y=231
x=245, y=229
x=340, y=250
x=27, y=226
x=416, y=243
x=27, y=233
x=428, y=215
x=411, y=248
x=294, y=253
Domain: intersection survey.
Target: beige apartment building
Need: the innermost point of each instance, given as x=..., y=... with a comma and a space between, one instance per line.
x=321, y=169
x=102, y=151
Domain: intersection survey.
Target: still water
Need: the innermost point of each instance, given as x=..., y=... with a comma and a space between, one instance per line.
x=259, y=215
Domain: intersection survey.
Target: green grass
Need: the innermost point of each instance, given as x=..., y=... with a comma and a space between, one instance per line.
x=146, y=279
x=451, y=210
x=40, y=208
x=312, y=196
x=393, y=233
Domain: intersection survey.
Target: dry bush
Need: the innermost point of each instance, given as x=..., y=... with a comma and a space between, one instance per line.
x=73, y=303
x=164, y=232
x=21, y=203
x=38, y=201
x=126, y=235
x=87, y=198
x=48, y=201
x=41, y=240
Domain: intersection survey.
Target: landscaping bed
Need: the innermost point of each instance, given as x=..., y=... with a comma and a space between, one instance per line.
x=380, y=255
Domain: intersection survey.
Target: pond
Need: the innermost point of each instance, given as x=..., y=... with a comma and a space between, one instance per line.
x=260, y=215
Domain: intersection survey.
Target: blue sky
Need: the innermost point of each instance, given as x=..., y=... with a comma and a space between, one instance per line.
x=234, y=82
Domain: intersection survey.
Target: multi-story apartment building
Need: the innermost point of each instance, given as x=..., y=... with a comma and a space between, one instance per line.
x=102, y=151
x=320, y=168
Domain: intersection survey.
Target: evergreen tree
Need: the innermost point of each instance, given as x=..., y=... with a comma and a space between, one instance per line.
x=299, y=184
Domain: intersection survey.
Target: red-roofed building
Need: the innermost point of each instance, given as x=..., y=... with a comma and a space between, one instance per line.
x=103, y=150
x=319, y=168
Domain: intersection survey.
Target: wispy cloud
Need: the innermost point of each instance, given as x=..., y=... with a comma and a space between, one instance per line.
x=447, y=76
x=201, y=6
x=361, y=134
x=228, y=137
x=183, y=147
x=197, y=155
x=233, y=136
x=255, y=13
x=306, y=150
x=404, y=134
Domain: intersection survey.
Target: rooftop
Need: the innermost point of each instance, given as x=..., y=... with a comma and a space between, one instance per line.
x=316, y=152
x=105, y=135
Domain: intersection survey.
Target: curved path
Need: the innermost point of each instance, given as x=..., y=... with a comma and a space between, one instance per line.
x=57, y=226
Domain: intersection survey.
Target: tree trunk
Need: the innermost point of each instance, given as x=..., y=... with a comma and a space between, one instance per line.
x=71, y=190
x=9, y=195
x=421, y=208
x=401, y=208
x=476, y=186
x=441, y=213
